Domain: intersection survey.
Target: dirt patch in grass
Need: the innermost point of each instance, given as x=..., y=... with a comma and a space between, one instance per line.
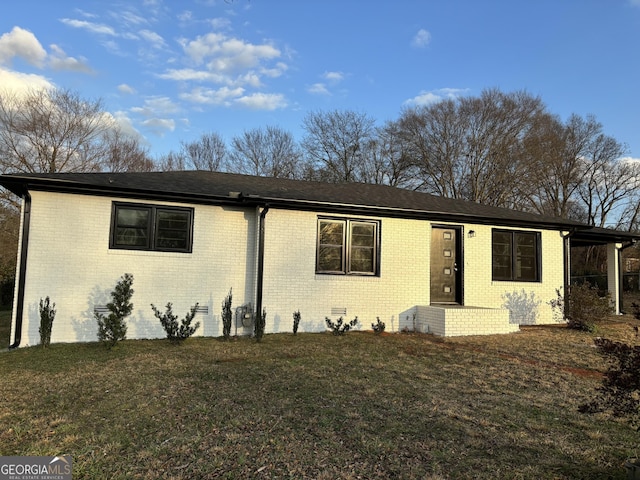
x=316, y=406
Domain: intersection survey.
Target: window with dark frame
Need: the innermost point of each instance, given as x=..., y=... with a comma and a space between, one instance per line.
x=151, y=227
x=347, y=246
x=515, y=255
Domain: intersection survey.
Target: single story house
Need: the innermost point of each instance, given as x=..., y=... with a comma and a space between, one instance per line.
x=413, y=260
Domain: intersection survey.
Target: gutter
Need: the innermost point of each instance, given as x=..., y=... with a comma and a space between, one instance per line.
x=260, y=275
x=22, y=272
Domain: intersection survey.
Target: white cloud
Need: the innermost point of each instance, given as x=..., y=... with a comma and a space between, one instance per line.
x=435, y=96
x=21, y=43
x=157, y=106
x=22, y=82
x=227, y=55
x=89, y=26
x=153, y=38
x=263, y=101
x=209, y=96
x=124, y=88
x=333, y=77
x=421, y=39
x=60, y=61
x=318, y=89
x=159, y=126
x=186, y=74
x=635, y=3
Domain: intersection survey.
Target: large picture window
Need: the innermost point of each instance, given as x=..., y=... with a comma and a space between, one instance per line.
x=348, y=246
x=151, y=227
x=515, y=255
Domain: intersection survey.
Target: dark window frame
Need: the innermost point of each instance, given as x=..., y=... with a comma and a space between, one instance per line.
x=514, y=258
x=347, y=247
x=153, y=229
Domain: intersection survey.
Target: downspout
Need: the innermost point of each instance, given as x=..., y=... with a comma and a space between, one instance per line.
x=22, y=272
x=260, y=279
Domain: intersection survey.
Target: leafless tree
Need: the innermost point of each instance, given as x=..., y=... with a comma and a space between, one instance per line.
x=470, y=147
x=337, y=143
x=206, y=153
x=267, y=152
x=125, y=153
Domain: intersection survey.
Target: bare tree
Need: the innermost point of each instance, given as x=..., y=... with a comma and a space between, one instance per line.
x=206, y=153
x=469, y=148
x=268, y=152
x=337, y=143
x=386, y=159
x=51, y=131
x=172, y=161
x=124, y=153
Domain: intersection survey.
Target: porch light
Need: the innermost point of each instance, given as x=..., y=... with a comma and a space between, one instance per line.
x=472, y=233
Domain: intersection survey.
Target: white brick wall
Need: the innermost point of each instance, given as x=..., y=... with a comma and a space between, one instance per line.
x=69, y=260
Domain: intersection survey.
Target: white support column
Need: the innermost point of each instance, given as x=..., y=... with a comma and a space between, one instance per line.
x=613, y=274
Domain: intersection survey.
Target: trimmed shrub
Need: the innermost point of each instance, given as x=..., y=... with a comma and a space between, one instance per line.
x=176, y=331
x=112, y=328
x=340, y=327
x=296, y=321
x=227, y=315
x=586, y=305
x=47, y=315
x=378, y=327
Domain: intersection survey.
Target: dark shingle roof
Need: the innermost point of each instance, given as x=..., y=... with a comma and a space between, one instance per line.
x=214, y=187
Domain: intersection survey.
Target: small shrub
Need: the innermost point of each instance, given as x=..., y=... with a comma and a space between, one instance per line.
x=296, y=321
x=619, y=393
x=379, y=326
x=47, y=314
x=112, y=328
x=227, y=315
x=261, y=321
x=584, y=308
x=340, y=327
x=176, y=331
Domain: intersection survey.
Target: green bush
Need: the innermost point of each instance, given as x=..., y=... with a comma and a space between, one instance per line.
x=47, y=315
x=176, y=331
x=296, y=321
x=585, y=306
x=379, y=326
x=227, y=315
x=112, y=328
x=340, y=327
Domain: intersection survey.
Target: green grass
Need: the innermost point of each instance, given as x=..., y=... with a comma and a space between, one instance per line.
x=318, y=406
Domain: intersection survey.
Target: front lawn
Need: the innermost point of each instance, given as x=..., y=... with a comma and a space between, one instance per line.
x=318, y=406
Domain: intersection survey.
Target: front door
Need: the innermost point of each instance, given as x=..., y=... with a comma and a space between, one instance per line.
x=446, y=265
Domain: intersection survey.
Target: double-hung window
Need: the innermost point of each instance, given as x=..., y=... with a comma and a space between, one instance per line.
x=348, y=246
x=515, y=255
x=151, y=227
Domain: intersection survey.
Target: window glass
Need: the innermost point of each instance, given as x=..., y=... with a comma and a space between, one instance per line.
x=148, y=227
x=172, y=229
x=347, y=246
x=132, y=228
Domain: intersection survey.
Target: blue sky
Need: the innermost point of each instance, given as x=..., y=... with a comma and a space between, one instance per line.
x=173, y=70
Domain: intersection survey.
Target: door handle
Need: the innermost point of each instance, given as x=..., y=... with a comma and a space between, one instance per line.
x=455, y=267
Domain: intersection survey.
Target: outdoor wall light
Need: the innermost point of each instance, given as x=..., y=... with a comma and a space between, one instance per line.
x=472, y=233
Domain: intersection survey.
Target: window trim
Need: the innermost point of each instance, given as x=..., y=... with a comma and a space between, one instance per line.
x=152, y=227
x=346, y=246
x=513, y=255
